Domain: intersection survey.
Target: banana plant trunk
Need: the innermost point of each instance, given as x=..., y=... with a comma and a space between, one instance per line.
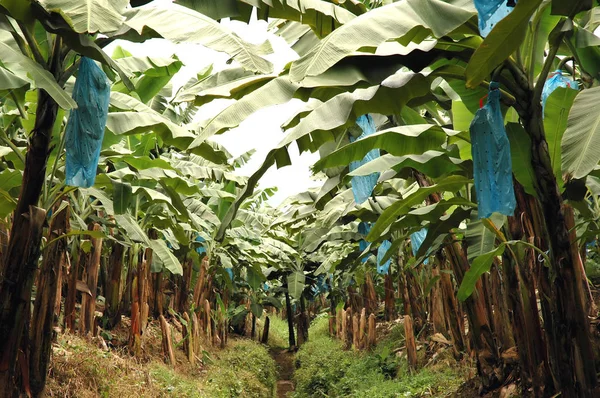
x=491, y=368
x=290, y=321
x=390, y=305
x=20, y=261
x=437, y=305
x=522, y=300
x=43, y=311
x=303, y=322
x=112, y=313
x=88, y=303
x=454, y=317
x=567, y=329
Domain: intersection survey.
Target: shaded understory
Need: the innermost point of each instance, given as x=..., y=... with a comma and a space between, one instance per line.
x=324, y=369
x=285, y=365
x=82, y=368
x=247, y=369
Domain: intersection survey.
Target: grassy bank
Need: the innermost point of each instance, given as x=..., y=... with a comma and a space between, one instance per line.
x=81, y=369
x=325, y=370
x=278, y=332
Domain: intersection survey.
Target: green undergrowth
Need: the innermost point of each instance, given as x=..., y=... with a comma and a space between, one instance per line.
x=80, y=369
x=324, y=369
x=245, y=369
x=278, y=332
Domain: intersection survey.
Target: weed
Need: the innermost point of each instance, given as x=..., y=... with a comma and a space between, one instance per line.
x=325, y=370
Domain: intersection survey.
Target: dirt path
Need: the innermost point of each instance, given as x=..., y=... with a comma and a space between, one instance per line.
x=285, y=365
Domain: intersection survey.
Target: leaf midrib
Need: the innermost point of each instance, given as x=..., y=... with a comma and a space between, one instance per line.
x=587, y=142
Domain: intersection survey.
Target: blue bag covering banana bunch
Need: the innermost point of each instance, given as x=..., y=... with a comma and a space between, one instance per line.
x=85, y=127
x=416, y=240
x=362, y=186
x=490, y=12
x=492, y=164
x=556, y=80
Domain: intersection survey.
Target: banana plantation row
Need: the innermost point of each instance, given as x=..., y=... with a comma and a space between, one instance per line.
x=458, y=153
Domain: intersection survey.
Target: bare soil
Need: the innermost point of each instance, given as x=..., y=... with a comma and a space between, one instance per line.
x=285, y=366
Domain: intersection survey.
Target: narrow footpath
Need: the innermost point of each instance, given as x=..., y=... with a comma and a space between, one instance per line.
x=285, y=366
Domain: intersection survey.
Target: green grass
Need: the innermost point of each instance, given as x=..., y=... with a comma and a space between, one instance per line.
x=278, y=332
x=325, y=370
x=245, y=370
x=169, y=382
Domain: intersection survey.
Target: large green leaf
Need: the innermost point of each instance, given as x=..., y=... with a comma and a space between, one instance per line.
x=444, y=225
x=165, y=256
x=133, y=230
x=503, y=40
x=343, y=109
x=480, y=239
x=200, y=209
x=520, y=153
x=556, y=113
x=589, y=57
x=570, y=8
x=320, y=15
x=176, y=198
x=401, y=20
x=256, y=309
x=89, y=16
x=83, y=44
x=154, y=80
x=398, y=141
x=277, y=91
x=533, y=51
x=151, y=66
x=122, y=194
x=17, y=9
x=100, y=195
x=331, y=257
x=581, y=140
x=281, y=90
x=42, y=78
x=140, y=118
x=391, y=214
x=10, y=81
x=183, y=25
x=7, y=203
x=461, y=116
x=480, y=266
x=247, y=191
x=272, y=301
x=229, y=83
x=216, y=9
x=314, y=237
x=254, y=278
x=10, y=179
x=295, y=283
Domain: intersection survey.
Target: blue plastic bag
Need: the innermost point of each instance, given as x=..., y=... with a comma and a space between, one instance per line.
x=490, y=12
x=362, y=245
x=85, y=128
x=362, y=186
x=200, y=249
x=230, y=273
x=363, y=228
x=319, y=287
x=492, y=164
x=416, y=240
x=556, y=80
x=384, y=268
